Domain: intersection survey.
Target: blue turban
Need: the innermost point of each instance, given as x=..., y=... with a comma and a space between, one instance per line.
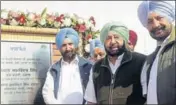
x=95, y=43
x=163, y=8
x=67, y=33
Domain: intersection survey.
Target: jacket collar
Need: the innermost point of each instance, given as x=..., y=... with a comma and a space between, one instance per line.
x=171, y=39
x=81, y=62
x=126, y=58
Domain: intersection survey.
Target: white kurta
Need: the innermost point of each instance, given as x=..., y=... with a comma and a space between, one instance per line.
x=70, y=87
x=90, y=91
x=151, y=90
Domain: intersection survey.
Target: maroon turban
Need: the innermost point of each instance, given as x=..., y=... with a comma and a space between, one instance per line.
x=132, y=37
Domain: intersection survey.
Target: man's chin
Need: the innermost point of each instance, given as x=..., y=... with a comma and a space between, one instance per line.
x=115, y=53
x=69, y=55
x=160, y=38
x=112, y=53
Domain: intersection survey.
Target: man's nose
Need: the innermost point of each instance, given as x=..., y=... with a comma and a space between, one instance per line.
x=98, y=57
x=112, y=40
x=156, y=23
x=68, y=47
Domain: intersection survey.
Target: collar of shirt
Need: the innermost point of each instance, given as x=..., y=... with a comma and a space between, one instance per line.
x=151, y=90
x=118, y=58
x=117, y=64
x=160, y=43
x=70, y=87
x=74, y=61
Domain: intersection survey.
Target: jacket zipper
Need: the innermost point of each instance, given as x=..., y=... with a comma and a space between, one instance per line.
x=111, y=89
x=112, y=84
x=82, y=85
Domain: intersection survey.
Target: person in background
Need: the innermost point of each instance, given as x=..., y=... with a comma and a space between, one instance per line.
x=132, y=39
x=97, y=51
x=158, y=75
x=67, y=79
x=115, y=79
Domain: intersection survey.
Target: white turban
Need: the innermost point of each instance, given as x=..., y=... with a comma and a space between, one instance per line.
x=163, y=8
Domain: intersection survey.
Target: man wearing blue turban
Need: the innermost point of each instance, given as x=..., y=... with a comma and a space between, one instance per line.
x=158, y=75
x=67, y=79
x=97, y=51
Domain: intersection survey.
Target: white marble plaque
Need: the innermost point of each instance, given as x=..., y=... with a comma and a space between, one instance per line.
x=23, y=71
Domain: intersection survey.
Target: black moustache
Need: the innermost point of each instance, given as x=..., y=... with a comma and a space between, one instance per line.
x=158, y=28
x=67, y=51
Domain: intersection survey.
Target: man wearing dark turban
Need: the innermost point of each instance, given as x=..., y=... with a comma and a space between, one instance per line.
x=67, y=79
x=115, y=79
x=132, y=39
x=158, y=75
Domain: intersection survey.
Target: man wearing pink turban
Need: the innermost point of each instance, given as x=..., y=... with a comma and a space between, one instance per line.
x=132, y=39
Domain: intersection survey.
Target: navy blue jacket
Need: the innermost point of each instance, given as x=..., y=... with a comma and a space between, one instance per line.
x=84, y=68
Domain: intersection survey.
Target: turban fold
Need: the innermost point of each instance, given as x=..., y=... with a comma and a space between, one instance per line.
x=163, y=8
x=117, y=27
x=95, y=43
x=133, y=37
x=67, y=33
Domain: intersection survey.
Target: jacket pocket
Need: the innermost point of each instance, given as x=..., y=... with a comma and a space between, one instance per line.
x=103, y=95
x=120, y=94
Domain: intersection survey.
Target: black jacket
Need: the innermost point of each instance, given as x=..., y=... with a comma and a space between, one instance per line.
x=166, y=72
x=124, y=86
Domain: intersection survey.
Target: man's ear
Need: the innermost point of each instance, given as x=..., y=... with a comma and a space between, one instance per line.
x=126, y=45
